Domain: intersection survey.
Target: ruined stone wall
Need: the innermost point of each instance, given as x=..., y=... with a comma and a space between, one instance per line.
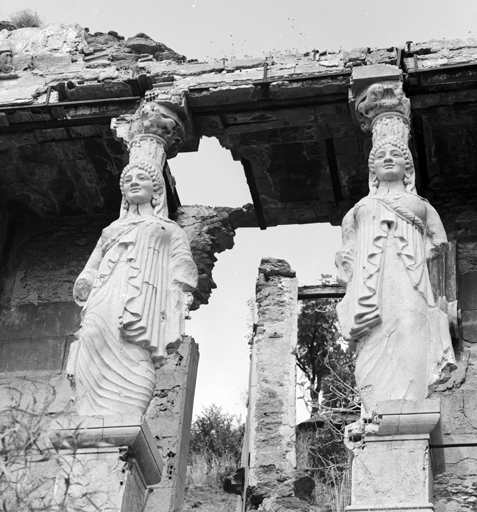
x=271, y=409
x=456, y=490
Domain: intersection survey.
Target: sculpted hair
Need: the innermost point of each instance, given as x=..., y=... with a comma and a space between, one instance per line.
x=159, y=197
x=410, y=175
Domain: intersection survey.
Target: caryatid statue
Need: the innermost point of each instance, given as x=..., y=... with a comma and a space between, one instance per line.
x=401, y=336
x=136, y=286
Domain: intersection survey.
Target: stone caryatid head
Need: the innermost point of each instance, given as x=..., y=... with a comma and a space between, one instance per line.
x=395, y=149
x=141, y=181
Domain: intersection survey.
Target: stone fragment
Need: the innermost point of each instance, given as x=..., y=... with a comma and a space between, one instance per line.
x=209, y=231
x=141, y=43
x=7, y=25
x=275, y=267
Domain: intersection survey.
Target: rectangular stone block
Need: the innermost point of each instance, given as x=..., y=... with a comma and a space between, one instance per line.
x=32, y=355
x=57, y=319
x=392, y=474
x=17, y=322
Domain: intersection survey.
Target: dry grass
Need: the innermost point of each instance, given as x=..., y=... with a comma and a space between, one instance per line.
x=26, y=18
x=204, y=484
x=332, y=472
x=336, y=495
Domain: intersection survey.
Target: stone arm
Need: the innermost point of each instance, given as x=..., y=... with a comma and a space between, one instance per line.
x=345, y=256
x=84, y=282
x=436, y=238
x=184, y=270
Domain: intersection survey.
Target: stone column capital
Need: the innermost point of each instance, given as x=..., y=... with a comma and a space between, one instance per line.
x=378, y=102
x=163, y=117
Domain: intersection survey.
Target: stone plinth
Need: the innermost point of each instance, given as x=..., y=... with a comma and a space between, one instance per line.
x=393, y=466
x=107, y=463
x=392, y=473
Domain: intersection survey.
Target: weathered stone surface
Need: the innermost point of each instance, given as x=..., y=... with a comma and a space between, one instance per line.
x=143, y=44
x=439, y=53
x=271, y=411
x=391, y=472
x=275, y=267
x=209, y=231
x=455, y=490
x=169, y=417
x=42, y=268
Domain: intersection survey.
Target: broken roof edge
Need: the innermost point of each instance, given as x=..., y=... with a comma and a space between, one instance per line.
x=73, y=59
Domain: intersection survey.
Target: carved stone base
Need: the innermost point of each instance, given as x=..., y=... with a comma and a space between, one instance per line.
x=106, y=463
x=393, y=465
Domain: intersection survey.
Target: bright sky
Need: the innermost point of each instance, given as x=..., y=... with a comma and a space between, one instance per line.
x=209, y=29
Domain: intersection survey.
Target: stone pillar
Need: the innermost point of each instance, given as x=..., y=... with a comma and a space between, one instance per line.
x=271, y=410
x=169, y=417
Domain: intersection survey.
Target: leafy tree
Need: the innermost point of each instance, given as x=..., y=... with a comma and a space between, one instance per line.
x=215, y=433
x=320, y=355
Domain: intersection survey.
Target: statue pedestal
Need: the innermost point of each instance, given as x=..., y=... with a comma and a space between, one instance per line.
x=107, y=462
x=393, y=466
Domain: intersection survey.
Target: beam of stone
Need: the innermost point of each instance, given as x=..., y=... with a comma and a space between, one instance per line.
x=169, y=417
x=271, y=410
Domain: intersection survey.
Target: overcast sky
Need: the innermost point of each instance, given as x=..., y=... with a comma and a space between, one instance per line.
x=211, y=29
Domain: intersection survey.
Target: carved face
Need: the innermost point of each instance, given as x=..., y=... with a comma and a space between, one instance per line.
x=389, y=164
x=138, y=187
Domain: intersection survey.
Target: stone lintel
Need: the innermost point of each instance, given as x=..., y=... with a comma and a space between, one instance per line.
x=70, y=435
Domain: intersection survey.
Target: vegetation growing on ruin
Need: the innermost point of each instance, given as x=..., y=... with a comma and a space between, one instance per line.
x=215, y=452
x=26, y=18
x=332, y=399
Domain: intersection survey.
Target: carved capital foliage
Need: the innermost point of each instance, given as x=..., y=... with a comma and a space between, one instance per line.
x=383, y=100
x=161, y=116
x=152, y=118
x=378, y=102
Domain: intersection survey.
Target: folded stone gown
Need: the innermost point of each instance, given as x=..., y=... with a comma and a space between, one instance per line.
x=130, y=315
x=403, y=341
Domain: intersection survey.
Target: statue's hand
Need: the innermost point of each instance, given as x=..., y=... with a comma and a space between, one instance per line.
x=344, y=262
x=81, y=290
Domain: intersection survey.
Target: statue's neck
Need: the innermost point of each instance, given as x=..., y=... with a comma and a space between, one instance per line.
x=140, y=210
x=390, y=187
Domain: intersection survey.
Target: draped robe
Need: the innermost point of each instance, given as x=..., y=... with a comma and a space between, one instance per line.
x=403, y=341
x=135, y=308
